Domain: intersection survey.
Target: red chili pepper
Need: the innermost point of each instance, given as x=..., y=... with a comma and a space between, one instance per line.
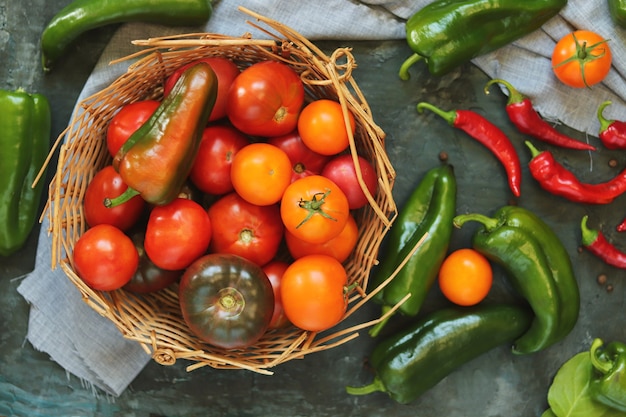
x=595, y=242
x=524, y=116
x=612, y=132
x=555, y=178
x=487, y=134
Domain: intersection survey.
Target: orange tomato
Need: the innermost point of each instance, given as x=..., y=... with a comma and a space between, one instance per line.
x=339, y=247
x=313, y=292
x=260, y=173
x=465, y=277
x=322, y=127
x=581, y=59
x=314, y=209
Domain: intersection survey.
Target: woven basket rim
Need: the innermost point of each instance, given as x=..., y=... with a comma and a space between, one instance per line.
x=321, y=74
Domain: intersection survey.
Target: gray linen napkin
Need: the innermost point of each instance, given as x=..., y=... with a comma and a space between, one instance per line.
x=88, y=345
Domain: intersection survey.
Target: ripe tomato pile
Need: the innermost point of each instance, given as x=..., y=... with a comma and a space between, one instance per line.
x=258, y=236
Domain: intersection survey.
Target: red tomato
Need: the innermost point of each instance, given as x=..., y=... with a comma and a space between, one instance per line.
x=226, y=72
x=107, y=183
x=322, y=127
x=581, y=59
x=245, y=229
x=265, y=99
x=105, y=258
x=303, y=160
x=313, y=291
x=260, y=173
x=274, y=271
x=125, y=122
x=339, y=247
x=177, y=234
x=148, y=277
x=211, y=168
x=342, y=170
x=314, y=209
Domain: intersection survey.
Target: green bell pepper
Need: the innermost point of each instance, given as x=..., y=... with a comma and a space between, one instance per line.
x=449, y=33
x=425, y=222
x=24, y=147
x=414, y=360
x=617, y=9
x=608, y=383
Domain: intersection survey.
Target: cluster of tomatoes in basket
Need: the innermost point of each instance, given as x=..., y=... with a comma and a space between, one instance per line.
x=258, y=237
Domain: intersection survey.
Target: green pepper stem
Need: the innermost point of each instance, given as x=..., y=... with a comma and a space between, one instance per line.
x=375, y=330
x=533, y=151
x=514, y=95
x=121, y=199
x=588, y=235
x=448, y=116
x=408, y=63
x=375, y=386
x=597, y=360
x=489, y=222
x=604, y=123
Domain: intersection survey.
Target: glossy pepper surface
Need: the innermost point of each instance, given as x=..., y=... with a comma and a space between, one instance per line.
x=617, y=9
x=449, y=33
x=488, y=135
x=81, y=16
x=558, y=180
x=24, y=146
x=596, y=242
x=612, y=133
x=156, y=160
x=608, y=382
x=539, y=268
x=418, y=242
x=414, y=360
x=526, y=119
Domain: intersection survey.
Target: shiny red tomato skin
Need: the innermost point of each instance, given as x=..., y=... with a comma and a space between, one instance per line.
x=304, y=161
x=226, y=300
x=225, y=70
x=265, y=99
x=177, y=234
x=342, y=170
x=107, y=183
x=245, y=229
x=105, y=258
x=126, y=121
x=211, y=168
x=274, y=271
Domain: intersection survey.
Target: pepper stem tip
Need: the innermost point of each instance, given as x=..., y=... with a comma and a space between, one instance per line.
x=408, y=63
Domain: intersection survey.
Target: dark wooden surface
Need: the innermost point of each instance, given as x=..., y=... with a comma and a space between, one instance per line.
x=496, y=384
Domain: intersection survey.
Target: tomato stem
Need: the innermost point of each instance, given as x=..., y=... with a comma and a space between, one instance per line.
x=314, y=206
x=584, y=56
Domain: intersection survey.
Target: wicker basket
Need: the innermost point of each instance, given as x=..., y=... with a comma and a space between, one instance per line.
x=155, y=320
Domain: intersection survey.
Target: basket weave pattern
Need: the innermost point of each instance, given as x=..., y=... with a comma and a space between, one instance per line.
x=155, y=320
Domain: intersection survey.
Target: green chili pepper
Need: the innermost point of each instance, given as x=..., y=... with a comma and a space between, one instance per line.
x=411, y=362
x=617, y=9
x=24, y=147
x=426, y=217
x=608, y=383
x=155, y=160
x=449, y=33
x=81, y=16
x=539, y=268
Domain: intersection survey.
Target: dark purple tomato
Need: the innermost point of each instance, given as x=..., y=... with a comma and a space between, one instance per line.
x=226, y=300
x=148, y=277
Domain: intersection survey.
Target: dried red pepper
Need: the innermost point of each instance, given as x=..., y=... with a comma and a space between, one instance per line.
x=612, y=132
x=595, y=242
x=558, y=180
x=524, y=116
x=487, y=134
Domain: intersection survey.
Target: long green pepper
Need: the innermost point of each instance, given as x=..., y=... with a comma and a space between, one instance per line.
x=539, y=268
x=427, y=215
x=449, y=33
x=617, y=9
x=24, y=146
